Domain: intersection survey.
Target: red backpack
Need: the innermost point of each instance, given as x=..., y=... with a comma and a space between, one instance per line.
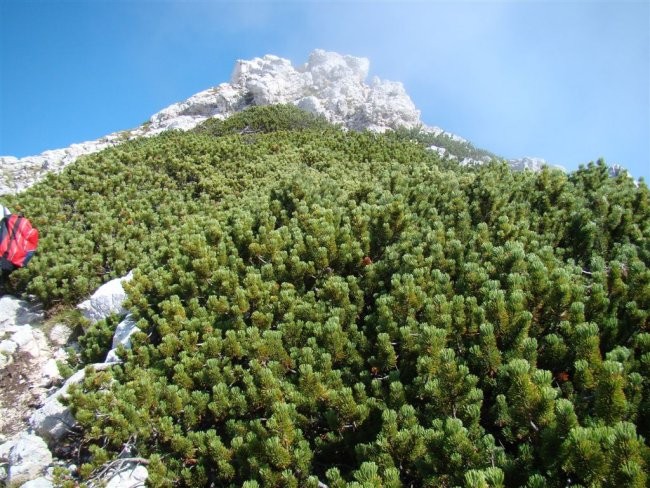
x=18, y=242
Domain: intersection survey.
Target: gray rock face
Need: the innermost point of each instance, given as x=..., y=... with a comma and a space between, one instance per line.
x=53, y=420
x=122, y=337
x=27, y=457
x=108, y=299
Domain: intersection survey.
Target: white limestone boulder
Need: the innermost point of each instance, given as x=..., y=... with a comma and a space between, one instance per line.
x=108, y=299
x=15, y=312
x=40, y=482
x=122, y=337
x=49, y=373
x=532, y=164
x=29, y=340
x=28, y=457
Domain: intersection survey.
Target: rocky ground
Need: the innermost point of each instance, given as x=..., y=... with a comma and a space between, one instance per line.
x=37, y=432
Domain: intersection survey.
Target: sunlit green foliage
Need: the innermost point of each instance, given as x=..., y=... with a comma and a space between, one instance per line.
x=271, y=118
x=323, y=305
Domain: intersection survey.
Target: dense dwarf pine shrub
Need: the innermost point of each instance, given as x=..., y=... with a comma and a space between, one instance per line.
x=343, y=307
x=458, y=148
x=271, y=118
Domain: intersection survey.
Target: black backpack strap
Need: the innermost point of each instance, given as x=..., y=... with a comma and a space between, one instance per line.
x=4, y=229
x=12, y=235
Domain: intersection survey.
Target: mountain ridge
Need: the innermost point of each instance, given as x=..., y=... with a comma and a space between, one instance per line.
x=328, y=84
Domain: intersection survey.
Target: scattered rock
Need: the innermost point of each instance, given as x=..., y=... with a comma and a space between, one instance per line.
x=41, y=482
x=8, y=347
x=29, y=368
x=28, y=457
x=131, y=476
x=29, y=340
x=60, y=334
x=14, y=312
x=53, y=420
x=49, y=373
x=108, y=299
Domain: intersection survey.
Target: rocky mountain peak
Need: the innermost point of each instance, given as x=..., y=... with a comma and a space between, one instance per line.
x=328, y=84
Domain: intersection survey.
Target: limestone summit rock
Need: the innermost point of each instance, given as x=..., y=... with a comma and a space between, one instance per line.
x=329, y=84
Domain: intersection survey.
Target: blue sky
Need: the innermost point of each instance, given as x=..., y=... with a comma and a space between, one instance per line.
x=566, y=81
